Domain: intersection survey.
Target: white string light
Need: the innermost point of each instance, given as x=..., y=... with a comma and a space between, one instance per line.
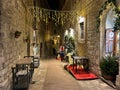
x=59, y=17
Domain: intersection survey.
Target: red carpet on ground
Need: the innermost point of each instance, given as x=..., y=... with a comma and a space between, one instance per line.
x=81, y=74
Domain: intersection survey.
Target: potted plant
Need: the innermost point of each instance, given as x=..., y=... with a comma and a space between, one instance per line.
x=109, y=67
x=17, y=34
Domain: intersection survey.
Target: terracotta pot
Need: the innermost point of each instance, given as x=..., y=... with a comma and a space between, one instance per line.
x=109, y=77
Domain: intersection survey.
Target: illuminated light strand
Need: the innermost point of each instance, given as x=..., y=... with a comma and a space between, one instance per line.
x=59, y=17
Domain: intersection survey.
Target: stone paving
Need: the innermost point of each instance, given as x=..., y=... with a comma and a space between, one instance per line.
x=39, y=78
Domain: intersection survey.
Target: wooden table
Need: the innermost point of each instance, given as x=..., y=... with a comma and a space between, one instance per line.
x=27, y=61
x=80, y=59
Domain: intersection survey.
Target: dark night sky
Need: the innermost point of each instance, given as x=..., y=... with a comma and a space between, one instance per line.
x=50, y=4
x=54, y=4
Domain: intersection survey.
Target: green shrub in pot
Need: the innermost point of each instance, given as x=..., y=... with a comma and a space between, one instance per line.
x=109, y=65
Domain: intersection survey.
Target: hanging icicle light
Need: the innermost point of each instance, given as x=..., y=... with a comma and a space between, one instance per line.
x=59, y=17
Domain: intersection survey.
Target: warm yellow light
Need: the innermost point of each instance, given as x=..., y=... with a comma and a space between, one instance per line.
x=118, y=35
x=71, y=32
x=58, y=36
x=66, y=32
x=81, y=19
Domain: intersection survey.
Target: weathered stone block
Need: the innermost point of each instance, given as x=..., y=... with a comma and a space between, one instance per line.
x=4, y=85
x=118, y=81
x=3, y=72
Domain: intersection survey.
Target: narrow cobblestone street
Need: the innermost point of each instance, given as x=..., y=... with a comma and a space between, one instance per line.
x=48, y=67
x=83, y=33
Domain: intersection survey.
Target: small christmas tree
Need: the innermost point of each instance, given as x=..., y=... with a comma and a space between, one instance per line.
x=69, y=44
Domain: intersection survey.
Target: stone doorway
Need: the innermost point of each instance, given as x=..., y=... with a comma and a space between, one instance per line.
x=107, y=25
x=107, y=34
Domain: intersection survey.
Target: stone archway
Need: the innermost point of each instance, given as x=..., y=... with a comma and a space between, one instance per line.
x=102, y=38
x=103, y=26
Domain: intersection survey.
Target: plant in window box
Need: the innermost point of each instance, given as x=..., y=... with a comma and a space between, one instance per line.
x=109, y=67
x=17, y=34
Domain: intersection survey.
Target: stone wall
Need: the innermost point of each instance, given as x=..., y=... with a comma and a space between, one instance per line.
x=92, y=38
x=118, y=78
x=91, y=46
x=90, y=9
x=12, y=18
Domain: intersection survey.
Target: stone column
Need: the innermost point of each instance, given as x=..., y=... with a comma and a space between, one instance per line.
x=118, y=78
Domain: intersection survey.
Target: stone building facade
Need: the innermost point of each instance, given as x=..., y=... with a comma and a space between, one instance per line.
x=91, y=47
x=15, y=16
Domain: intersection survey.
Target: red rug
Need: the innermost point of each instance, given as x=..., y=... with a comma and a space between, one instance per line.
x=81, y=74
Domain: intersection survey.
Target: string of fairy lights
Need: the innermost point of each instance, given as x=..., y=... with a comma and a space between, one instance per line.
x=58, y=17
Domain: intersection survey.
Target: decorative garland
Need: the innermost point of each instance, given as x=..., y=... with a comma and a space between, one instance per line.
x=58, y=17
x=117, y=12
